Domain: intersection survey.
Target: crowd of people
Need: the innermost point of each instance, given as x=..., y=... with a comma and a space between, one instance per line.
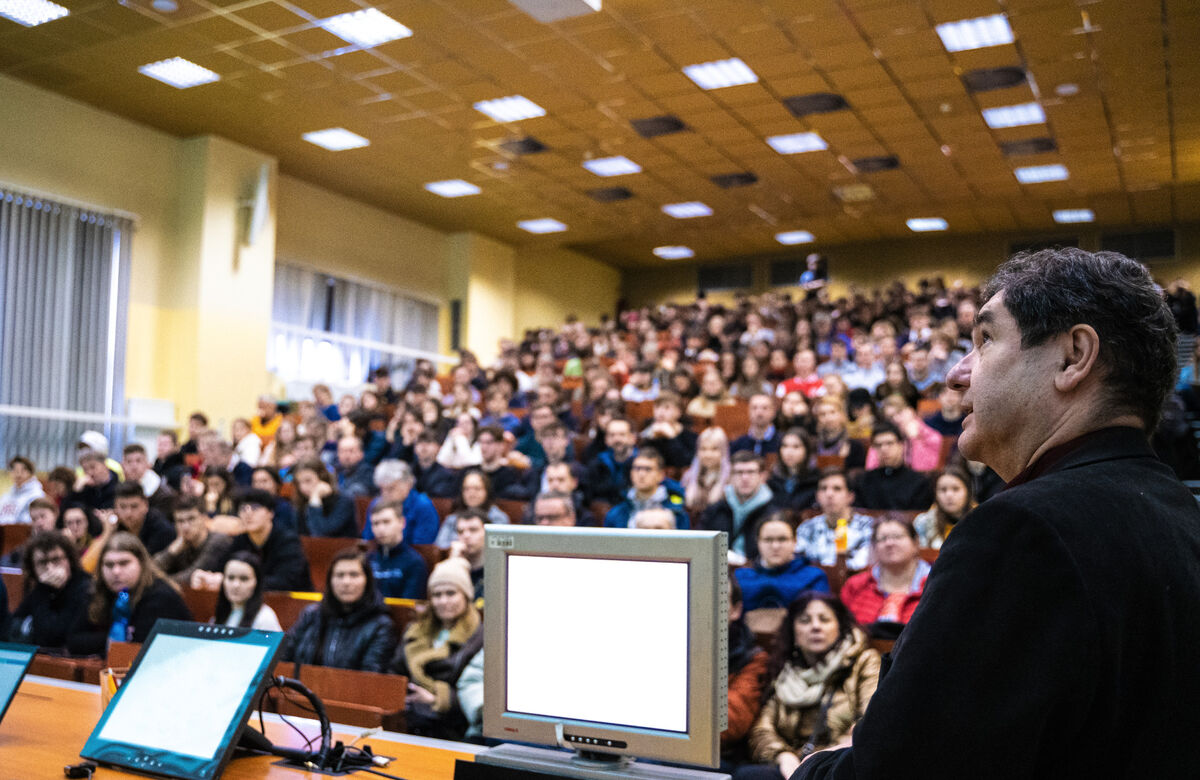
x=813, y=432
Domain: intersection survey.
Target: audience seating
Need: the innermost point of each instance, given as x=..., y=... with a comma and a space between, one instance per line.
x=367, y=699
x=443, y=506
x=201, y=603
x=360, y=511
x=432, y=554
x=513, y=508
x=122, y=654
x=320, y=551
x=13, y=535
x=948, y=445
x=14, y=583
x=289, y=604
x=639, y=412
x=735, y=419
x=84, y=670
x=287, y=491
x=928, y=406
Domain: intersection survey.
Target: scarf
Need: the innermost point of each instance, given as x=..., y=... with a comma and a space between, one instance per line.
x=741, y=511
x=802, y=686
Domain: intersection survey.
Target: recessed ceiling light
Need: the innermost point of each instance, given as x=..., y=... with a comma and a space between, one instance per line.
x=854, y=193
x=978, y=33
x=1035, y=174
x=1066, y=90
x=612, y=166
x=165, y=6
x=721, y=73
x=793, y=237
x=366, y=28
x=673, y=252
x=1029, y=146
x=1068, y=216
x=510, y=109
x=693, y=208
x=1014, y=116
x=544, y=225
x=31, y=13
x=926, y=224
x=796, y=143
x=336, y=139
x=179, y=73
x=452, y=188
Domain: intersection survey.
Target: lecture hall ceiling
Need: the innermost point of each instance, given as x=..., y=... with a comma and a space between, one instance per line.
x=1118, y=82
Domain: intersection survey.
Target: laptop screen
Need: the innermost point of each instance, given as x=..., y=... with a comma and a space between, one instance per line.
x=14, y=660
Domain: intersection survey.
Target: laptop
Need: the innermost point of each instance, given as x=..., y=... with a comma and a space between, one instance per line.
x=14, y=662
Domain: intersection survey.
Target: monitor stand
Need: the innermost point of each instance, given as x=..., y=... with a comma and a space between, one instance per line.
x=591, y=766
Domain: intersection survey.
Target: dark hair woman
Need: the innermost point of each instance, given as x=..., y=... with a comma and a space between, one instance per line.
x=321, y=510
x=954, y=497
x=56, y=591
x=793, y=481
x=240, y=599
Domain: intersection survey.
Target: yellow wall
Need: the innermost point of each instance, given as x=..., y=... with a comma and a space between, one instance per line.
x=481, y=274
x=553, y=283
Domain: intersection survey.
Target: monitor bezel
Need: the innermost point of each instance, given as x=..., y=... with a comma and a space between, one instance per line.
x=139, y=758
x=708, y=622
x=29, y=651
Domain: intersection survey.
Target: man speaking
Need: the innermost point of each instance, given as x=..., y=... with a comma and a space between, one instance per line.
x=1059, y=633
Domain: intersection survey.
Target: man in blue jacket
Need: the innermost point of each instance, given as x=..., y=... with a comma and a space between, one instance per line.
x=651, y=490
x=395, y=480
x=779, y=575
x=400, y=571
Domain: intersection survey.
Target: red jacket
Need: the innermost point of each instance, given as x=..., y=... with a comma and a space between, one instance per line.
x=862, y=596
x=745, y=698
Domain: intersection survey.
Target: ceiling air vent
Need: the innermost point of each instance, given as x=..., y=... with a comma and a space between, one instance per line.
x=730, y=180
x=816, y=103
x=609, y=194
x=875, y=164
x=658, y=125
x=987, y=79
x=528, y=145
x=1028, y=146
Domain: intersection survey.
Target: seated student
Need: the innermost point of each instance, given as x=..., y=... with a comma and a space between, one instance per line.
x=651, y=490
x=469, y=547
x=833, y=440
x=541, y=416
x=705, y=480
x=805, y=378
x=884, y=597
x=793, y=481
x=351, y=628
x=353, y=471
x=395, y=480
x=136, y=464
x=195, y=547
x=321, y=509
x=892, y=485
x=218, y=454
x=57, y=591
x=74, y=522
x=667, y=434
x=795, y=411
x=131, y=513
x=642, y=386
x=778, y=575
x=267, y=479
x=496, y=414
x=654, y=519
x=459, y=449
x=240, y=599
x=953, y=499
x=14, y=503
x=947, y=420
x=130, y=595
x=747, y=670
x=822, y=675
x=433, y=479
x=553, y=508
x=506, y=480
x=712, y=395
x=218, y=487
x=399, y=570
x=608, y=473
x=762, y=438
x=563, y=478
x=284, y=566
x=816, y=538
x=922, y=444
x=475, y=493
x=747, y=501
x=44, y=516
x=97, y=488
x=436, y=649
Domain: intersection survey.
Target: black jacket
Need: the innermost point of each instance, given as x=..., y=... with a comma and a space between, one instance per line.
x=898, y=488
x=334, y=517
x=46, y=616
x=437, y=481
x=159, y=601
x=798, y=493
x=719, y=517
x=362, y=639
x=285, y=567
x=157, y=532
x=1056, y=637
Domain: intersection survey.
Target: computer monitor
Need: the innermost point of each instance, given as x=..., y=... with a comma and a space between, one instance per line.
x=612, y=642
x=185, y=700
x=14, y=662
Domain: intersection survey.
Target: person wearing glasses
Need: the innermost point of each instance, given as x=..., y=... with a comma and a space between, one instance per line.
x=284, y=566
x=884, y=597
x=56, y=592
x=553, y=509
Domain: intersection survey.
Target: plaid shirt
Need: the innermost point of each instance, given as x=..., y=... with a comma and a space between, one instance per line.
x=815, y=540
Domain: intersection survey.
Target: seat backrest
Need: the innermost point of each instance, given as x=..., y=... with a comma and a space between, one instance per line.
x=121, y=654
x=320, y=551
x=431, y=553
x=201, y=603
x=13, y=535
x=14, y=583
x=734, y=418
x=288, y=606
x=360, y=511
x=513, y=508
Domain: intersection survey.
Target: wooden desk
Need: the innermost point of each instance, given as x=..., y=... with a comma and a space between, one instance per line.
x=49, y=721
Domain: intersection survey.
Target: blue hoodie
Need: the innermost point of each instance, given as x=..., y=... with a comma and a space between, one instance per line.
x=763, y=587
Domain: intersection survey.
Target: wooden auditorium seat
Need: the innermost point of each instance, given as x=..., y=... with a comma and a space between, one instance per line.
x=201, y=603
x=320, y=551
x=639, y=412
x=360, y=511
x=432, y=554
x=513, y=508
x=367, y=699
x=734, y=419
x=443, y=506
x=13, y=535
x=14, y=583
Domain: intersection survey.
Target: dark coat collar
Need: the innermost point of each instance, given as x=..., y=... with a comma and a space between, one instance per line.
x=1103, y=444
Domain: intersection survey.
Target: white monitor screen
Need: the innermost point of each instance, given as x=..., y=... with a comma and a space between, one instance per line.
x=569, y=630
x=184, y=695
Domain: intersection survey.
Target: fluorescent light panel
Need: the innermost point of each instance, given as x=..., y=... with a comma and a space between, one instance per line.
x=31, y=13
x=720, y=73
x=797, y=143
x=612, y=166
x=366, y=28
x=693, y=208
x=544, y=225
x=513, y=108
x=1070, y=216
x=452, y=188
x=336, y=139
x=673, y=252
x=1036, y=174
x=792, y=237
x=926, y=224
x=179, y=73
x=978, y=33
x=1014, y=116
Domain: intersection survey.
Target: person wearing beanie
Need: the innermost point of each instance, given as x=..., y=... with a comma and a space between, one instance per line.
x=436, y=649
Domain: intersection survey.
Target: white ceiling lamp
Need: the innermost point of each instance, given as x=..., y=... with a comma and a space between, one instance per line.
x=688, y=210
x=453, y=188
x=336, y=139
x=926, y=224
x=31, y=13
x=1014, y=116
x=366, y=28
x=513, y=108
x=612, y=166
x=544, y=225
x=556, y=10
x=1072, y=216
x=793, y=237
x=673, y=252
x=179, y=73
x=797, y=143
x=1036, y=174
x=978, y=33
x=721, y=73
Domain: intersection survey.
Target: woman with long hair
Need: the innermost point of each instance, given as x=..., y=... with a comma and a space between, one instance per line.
x=240, y=599
x=351, y=628
x=705, y=480
x=793, y=481
x=218, y=491
x=436, y=649
x=823, y=674
x=321, y=509
x=56, y=591
x=130, y=595
x=953, y=499
x=474, y=492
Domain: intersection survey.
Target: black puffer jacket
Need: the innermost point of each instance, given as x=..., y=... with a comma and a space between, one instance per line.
x=362, y=638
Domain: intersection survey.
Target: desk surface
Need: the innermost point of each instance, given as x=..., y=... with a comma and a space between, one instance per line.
x=48, y=723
